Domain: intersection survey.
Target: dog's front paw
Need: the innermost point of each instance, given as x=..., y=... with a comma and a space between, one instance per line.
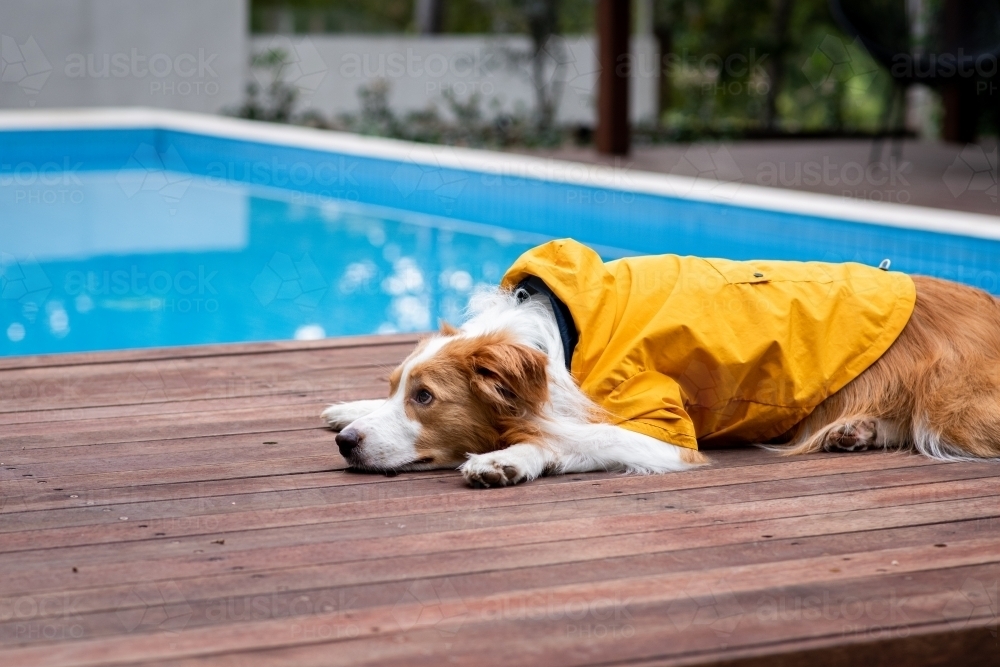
x=852, y=436
x=482, y=471
x=337, y=416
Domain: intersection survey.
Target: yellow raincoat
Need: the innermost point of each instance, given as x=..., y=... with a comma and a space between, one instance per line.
x=690, y=350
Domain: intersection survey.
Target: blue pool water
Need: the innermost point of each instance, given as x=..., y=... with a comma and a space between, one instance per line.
x=228, y=264
x=139, y=238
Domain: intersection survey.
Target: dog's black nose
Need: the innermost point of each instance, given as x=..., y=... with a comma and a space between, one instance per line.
x=347, y=440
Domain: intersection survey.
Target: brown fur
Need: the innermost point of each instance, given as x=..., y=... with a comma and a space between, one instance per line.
x=694, y=457
x=939, y=382
x=485, y=392
x=936, y=389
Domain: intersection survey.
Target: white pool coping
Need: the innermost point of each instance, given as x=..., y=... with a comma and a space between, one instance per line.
x=518, y=166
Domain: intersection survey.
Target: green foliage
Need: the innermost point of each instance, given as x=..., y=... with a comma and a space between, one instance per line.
x=370, y=16
x=712, y=93
x=733, y=68
x=822, y=95
x=569, y=17
x=381, y=16
x=463, y=123
x=274, y=100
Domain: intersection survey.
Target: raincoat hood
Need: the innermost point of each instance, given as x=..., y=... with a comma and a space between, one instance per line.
x=689, y=350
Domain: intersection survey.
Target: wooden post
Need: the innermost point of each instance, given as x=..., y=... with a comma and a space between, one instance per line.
x=428, y=16
x=958, y=95
x=613, y=28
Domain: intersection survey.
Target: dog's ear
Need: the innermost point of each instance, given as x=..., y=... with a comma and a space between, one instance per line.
x=510, y=376
x=447, y=329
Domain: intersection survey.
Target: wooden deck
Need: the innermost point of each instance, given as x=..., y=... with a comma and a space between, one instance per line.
x=185, y=507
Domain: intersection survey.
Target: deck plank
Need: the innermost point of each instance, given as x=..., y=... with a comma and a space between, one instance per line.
x=696, y=512
x=564, y=499
x=654, y=553
x=186, y=507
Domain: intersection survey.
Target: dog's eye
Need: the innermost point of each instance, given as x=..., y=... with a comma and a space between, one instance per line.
x=423, y=397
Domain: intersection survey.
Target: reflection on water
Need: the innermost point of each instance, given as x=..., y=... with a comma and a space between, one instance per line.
x=119, y=267
x=138, y=258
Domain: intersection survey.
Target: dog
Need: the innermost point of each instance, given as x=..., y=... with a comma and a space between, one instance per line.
x=575, y=365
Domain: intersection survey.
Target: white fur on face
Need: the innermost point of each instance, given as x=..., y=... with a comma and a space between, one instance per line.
x=340, y=415
x=387, y=434
x=568, y=438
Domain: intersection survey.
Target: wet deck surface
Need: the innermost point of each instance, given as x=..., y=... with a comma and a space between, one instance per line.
x=185, y=507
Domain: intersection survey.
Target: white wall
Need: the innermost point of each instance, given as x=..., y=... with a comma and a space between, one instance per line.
x=328, y=70
x=193, y=55
x=175, y=54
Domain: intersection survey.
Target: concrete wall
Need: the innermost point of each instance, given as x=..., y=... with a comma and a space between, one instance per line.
x=328, y=70
x=174, y=54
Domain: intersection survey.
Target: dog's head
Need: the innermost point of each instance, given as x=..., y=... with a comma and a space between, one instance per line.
x=455, y=395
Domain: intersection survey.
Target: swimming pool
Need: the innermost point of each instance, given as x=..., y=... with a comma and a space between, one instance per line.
x=133, y=229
